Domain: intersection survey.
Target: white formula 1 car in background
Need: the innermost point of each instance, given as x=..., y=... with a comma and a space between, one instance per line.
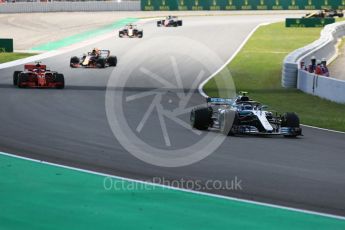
x=131, y=31
x=170, y=21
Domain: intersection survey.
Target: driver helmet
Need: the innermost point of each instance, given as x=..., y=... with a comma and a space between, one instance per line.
x=95, y=51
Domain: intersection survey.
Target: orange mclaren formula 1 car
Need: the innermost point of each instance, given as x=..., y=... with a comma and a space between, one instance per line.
x=37, y=76
x=94, y=59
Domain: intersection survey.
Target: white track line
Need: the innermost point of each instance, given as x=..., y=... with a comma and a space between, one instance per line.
x=323, y=129
x=201, y=86
x=180, y=189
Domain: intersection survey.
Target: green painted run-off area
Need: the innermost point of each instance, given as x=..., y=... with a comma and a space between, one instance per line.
x=39, y=196
x=83, y=36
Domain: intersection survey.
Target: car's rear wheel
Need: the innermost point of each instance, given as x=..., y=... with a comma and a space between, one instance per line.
x=15, y=77
x=201, y=118
x=112, y=61
x=74, y=61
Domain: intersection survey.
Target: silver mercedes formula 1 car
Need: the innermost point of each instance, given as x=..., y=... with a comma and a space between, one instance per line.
x=242, y=115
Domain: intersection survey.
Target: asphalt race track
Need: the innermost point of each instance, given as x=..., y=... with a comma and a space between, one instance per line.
x=70, y=126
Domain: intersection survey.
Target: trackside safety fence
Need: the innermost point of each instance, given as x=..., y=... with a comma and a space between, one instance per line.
x=325, y=47
x=328, y=88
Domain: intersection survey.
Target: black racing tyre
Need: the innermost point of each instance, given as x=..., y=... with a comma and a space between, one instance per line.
x=59, y=78
x=74, y=60
x=15, y=77
x=23, y=77
x=121, y=34
x=140, y=34
x=179, y=23
x=159, y=23
x=290, y=120
x=101, y=63
x=201, y=118
x=112, y=60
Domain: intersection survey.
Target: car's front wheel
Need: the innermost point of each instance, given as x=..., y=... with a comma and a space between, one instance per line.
x=228, y=119
x=291, y=121
x=201, y=118
x=22, y=78
x=112, y=61
x=101, y=63
x=60, y=81
x=15, y=77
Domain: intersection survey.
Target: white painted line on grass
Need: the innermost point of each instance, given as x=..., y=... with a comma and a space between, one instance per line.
x=201, y=86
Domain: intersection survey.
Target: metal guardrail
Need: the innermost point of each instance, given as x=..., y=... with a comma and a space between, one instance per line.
x=80, y=6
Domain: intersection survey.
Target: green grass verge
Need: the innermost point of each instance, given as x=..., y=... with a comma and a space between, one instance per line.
x=258, y=67
x=6, y=57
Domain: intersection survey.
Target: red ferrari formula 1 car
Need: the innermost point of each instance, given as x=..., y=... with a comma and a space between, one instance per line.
x=37, y=76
